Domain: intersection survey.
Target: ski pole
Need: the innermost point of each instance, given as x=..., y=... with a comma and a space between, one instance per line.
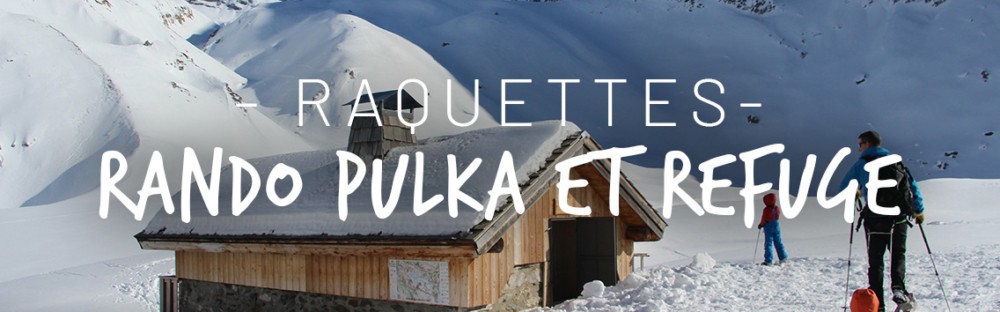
x=850, y=247
x=752, y=261
x=755, y=245
x=931, y=255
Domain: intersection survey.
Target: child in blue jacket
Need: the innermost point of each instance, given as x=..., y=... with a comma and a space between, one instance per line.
x=772, y=231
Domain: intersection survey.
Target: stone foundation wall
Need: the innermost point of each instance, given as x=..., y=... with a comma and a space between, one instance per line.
x=208, y=296
x=523, y=290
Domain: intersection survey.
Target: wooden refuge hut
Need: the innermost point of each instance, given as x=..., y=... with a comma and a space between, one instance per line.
x=304, y=257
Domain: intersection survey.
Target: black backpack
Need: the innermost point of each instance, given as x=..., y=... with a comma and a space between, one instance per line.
x=901, y=195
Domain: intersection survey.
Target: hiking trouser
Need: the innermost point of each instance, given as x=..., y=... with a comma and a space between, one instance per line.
x=772, y=236
x=888, y=233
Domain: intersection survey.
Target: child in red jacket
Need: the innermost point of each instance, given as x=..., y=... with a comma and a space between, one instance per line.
x=772, y=231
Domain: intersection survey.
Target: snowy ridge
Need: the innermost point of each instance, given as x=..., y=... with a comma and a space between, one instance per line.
x=275, y=45
x=225, y=11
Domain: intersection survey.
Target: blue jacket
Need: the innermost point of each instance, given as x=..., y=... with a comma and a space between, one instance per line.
x=857, y=172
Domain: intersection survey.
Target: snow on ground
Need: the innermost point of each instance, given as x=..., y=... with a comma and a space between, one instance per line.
x=680, y=275
x=972, y=282
x=127, y=284
x=961, y=213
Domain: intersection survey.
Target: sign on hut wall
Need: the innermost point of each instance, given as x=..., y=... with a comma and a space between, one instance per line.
x=419, y=281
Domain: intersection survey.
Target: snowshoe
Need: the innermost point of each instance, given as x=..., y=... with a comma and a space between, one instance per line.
x=899, y=296
x=909, y=305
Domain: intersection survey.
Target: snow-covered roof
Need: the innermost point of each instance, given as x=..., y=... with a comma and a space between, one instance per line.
x=315, y=212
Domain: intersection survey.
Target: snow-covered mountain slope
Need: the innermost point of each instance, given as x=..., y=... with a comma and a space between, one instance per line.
x=825, y=71
x=101, y=76
x=225, y=11
x=275, y=45
x=82, y=77
x=36, y=88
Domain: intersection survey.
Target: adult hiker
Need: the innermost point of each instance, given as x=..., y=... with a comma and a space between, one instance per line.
x=772, y=231
x=886, y=232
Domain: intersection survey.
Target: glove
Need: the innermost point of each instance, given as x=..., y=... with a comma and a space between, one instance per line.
x=918, y=217
x=760, y=226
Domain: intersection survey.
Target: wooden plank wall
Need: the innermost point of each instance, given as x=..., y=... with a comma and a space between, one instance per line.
x=277, y=271
x=533, y=225
x=526, y=242
x=488, y=273
x=624, y=251
x=473, y=282
x=366, y=277
x=361, y=276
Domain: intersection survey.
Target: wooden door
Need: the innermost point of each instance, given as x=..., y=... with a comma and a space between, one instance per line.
x=580, y=250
